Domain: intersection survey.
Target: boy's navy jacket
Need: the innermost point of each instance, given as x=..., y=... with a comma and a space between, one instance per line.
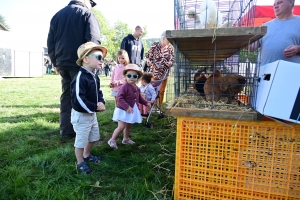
x=134, y=48
x=85, y=92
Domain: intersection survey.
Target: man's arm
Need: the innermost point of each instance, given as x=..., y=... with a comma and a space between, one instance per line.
x=51, y=46
x=142, y=51
x=123, y=44
x=92, y=32
x=254, y=46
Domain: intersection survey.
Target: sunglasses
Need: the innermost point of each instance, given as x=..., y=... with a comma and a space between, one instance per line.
x=93, y=4
x=97, y=56
x=135, y=76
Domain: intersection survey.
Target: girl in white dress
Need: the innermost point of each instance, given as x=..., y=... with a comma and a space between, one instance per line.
x=126, y=111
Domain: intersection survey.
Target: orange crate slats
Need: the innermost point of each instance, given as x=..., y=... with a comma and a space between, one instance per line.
x=229, y=159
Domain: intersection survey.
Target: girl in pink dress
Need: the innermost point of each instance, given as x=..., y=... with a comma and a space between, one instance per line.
x=117, y=79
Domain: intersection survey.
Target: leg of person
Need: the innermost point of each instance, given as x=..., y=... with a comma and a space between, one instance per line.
x=126, y=139
x=141, y=108
x=145, y=110
x=82, y=128
x=162, y=92
x=112, y=141
x=66, y=128
x=81, y=165
x=93, y=137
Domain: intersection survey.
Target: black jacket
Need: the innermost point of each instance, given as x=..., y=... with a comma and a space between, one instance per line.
x=85, y=92
x=134, y=48
x=71, y=27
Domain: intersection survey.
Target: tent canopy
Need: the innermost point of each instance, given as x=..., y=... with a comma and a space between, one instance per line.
x=261, y=14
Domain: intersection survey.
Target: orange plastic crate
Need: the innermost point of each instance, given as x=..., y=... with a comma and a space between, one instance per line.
x=229, y=159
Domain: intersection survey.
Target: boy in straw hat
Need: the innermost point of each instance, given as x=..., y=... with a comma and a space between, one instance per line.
x=87, y=99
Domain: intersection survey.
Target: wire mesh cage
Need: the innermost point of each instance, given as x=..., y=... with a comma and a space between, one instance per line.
x=214, y=72
x=198, y=14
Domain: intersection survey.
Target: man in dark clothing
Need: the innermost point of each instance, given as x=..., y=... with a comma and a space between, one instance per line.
x=106, y=69
x=70, y=27
x=134, y=46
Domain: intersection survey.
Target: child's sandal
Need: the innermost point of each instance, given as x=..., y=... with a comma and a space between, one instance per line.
x=112, y=143
x=127, y=141
x=93, y=159
x=83, y=168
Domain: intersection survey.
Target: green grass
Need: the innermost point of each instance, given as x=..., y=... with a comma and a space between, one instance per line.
x=35, y=164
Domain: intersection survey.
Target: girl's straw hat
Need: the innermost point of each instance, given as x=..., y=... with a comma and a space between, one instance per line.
x=133, y=67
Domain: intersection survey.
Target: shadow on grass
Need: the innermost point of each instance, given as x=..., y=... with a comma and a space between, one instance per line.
x=32, y=106
x=52, y=117
x=36, y=165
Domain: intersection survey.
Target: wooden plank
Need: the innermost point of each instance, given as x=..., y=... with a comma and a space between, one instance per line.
x=198, y=44
x=219, y=114
x=209, y=32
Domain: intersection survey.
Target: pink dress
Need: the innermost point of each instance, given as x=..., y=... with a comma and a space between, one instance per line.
x=117, y=79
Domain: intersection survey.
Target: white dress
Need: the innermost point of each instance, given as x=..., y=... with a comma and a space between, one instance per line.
x=131, y=118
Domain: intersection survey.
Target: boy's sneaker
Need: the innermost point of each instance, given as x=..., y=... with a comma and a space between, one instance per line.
x=83, y=168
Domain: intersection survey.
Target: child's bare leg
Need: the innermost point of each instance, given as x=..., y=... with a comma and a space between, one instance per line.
x=87, y=149
x=112, y=142
x=118, y=130
x=145, y=110
x=141, y=108
x=126, y=131
x=79, y=154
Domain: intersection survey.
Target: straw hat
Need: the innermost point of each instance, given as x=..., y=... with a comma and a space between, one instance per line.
x=133, y=67
x=86, y=48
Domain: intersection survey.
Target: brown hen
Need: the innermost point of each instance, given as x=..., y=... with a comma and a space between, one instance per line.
x=199, y=83
x=218, y=88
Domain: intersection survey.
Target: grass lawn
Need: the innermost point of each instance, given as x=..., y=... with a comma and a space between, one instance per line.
x=35, y=164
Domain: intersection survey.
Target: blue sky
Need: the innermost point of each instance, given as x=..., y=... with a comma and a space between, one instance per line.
x=29, y=19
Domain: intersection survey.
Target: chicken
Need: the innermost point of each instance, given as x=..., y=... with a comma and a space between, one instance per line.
x=232, y=84
x=227, y=87
x=228, y=24
x=211, y=87
x=196, y=17
x=199, y=83
x=209, y=14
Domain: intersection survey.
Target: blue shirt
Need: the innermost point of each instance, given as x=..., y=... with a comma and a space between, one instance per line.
x=280, y=35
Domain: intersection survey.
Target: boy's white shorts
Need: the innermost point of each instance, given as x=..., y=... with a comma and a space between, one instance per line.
x=86, y=127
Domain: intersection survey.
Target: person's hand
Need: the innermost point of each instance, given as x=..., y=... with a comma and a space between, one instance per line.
x=129, y=110
x=111, y=85
x=169, y=64
x=290, y=51
x=149, y=63
x=149, y=104
x=100, y=106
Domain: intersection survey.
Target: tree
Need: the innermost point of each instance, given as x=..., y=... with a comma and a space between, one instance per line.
x=107, y=33
x=121, y=30
x=2, y=21
x=112, y=36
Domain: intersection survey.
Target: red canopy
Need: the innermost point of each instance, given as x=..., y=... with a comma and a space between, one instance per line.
x=258, y=15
